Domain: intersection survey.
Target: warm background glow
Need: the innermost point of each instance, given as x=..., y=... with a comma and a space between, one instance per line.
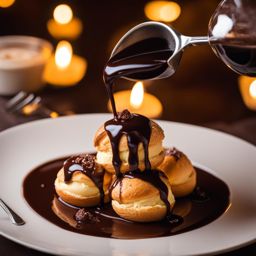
x=63, y=14
x=166, y=11
x=6, y=3
x=63, y=54
x=137, y=95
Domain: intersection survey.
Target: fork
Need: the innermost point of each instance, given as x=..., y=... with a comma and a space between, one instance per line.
x=14, y=217
x=28, y=103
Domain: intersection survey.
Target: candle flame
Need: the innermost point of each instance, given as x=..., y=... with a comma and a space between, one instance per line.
x=166, y=11
x=137, y=95
x=63, y=54
x=63, y=14
x=252, y=89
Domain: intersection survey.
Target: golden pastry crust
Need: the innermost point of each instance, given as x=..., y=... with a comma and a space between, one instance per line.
x=139, y=200
x=154, y=161
x=104, y=150
x=102, y=142
x=185, y=188
x=180, y=172
x=81, y=190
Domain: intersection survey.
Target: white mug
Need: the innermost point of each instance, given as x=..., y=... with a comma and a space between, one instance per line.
x=22, y=63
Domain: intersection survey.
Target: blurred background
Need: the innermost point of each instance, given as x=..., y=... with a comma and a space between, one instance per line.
x=203, y=91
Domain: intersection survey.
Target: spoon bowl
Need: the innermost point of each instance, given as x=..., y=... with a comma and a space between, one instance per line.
x=176, y=42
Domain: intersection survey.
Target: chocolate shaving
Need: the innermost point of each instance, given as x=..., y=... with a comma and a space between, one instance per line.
x=87, y=161
x=82, y=216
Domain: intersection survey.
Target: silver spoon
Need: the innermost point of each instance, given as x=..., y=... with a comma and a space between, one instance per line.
x=177, y=42
x=14, y=217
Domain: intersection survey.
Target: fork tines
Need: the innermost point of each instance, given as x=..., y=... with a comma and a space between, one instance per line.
x=21, y=100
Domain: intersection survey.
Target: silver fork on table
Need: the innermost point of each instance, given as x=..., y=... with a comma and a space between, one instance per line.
x=27, y=104
x=14, y=217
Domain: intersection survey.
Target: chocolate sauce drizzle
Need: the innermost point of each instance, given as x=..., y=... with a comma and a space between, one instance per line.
x=137, y=129
x=143, y=60
x=85, y=163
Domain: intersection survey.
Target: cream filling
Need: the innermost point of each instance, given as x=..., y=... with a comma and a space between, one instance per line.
x=105, y=157
x=78, y=189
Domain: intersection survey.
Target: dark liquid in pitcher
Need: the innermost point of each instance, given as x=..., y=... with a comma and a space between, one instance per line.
x=145, y=59
x=239, y=57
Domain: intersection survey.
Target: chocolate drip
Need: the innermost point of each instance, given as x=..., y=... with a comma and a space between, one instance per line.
x=145, y=59
x=154, y=178
x=137, y=129
x=86, y=164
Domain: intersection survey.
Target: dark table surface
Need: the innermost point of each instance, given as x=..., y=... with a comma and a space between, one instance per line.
x=202, y=92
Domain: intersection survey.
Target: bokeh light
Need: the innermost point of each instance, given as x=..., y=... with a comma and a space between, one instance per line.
x=6, y=3
x=63, y=14
x=165, y=11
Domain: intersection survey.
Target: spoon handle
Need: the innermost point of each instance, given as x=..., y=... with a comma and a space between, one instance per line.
x=14, y=217
x=199, y=40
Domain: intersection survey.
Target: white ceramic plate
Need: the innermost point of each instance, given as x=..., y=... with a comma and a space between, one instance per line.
x=26, y=146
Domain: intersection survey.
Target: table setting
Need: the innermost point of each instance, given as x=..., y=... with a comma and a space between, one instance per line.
x=130, y=125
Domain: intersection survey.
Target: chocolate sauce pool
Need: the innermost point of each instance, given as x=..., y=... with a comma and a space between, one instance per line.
x=207, y=203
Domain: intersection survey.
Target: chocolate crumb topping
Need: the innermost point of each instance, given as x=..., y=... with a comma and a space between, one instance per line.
x=87, y=161
x=124, y=115
x=86, y=164
x=83, y=216
x=174, y=152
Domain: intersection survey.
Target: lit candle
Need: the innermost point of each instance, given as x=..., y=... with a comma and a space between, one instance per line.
x=64, y=25
x=165, y=11
x=65, y=69
x=247, y=87
x=138, y=101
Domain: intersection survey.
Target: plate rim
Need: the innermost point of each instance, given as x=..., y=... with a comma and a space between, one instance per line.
x=38, y=122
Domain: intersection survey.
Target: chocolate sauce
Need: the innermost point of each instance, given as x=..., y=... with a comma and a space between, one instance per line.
x=153, y=177
x=241, y=59
x=188, y=214
x=142, y=60
x=85, y=163
x=145, y=59
x=137, y=129
x=238, y=54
